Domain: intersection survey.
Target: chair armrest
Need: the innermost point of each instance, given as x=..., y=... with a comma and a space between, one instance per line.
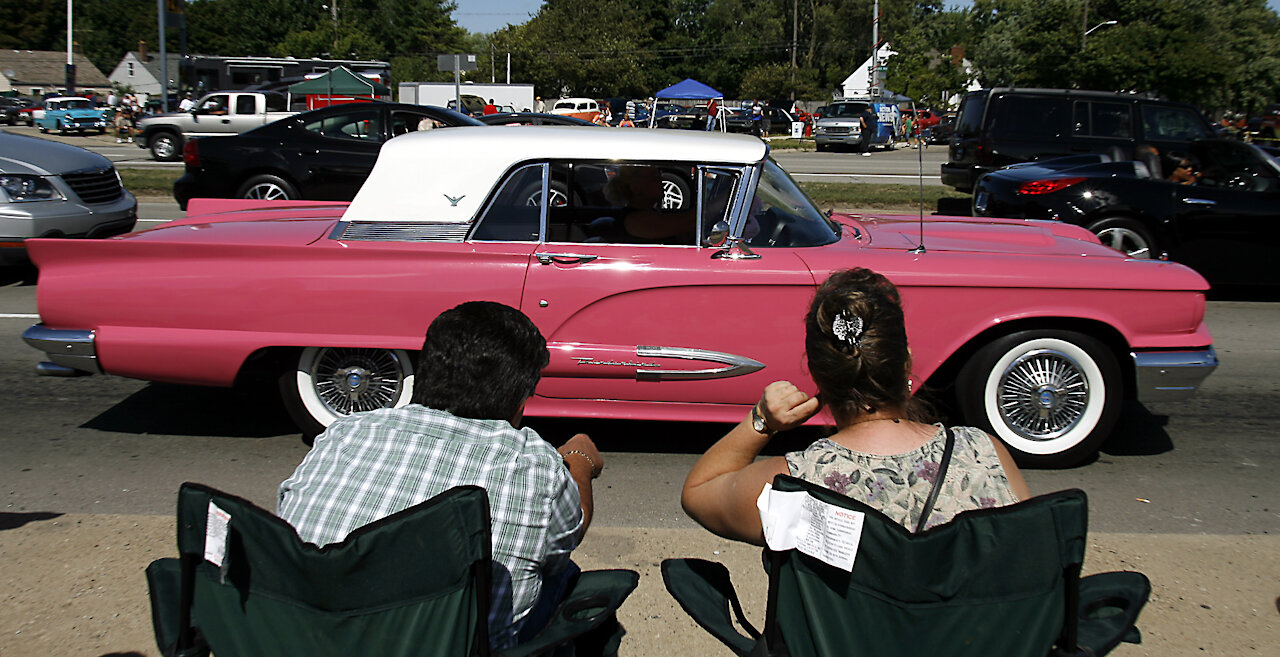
x=1109, y=607
x=591, y=601
x=705, y=592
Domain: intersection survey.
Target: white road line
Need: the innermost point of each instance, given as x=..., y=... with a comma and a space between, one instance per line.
x=19, y=316
x=908, y=176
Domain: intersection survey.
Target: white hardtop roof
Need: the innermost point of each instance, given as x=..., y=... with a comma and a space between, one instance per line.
x=418, y=176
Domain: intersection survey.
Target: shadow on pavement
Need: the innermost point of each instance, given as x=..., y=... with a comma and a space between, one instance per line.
x=1138, y=432
x=18, y=275
x=168, y=409
x=16, y=520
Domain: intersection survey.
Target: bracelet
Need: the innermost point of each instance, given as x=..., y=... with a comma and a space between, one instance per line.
x=594, y=472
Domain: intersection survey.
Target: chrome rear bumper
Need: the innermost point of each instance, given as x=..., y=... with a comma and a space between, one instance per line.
x=71, y=351
x=1164, y=376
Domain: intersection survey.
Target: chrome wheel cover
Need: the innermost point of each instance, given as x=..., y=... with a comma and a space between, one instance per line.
x=267, y=191
x=1042, y=395
x=672, y=197
x=163, y=147
x=351, y=380
x=1126, y=241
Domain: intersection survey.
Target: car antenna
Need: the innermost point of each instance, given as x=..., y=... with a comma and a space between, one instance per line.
x=920, y=177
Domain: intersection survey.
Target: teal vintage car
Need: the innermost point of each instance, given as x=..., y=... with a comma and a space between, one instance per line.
x=68, y=113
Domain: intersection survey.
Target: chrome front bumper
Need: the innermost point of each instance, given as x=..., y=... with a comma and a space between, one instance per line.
x=72, y=352
x=1165, y=376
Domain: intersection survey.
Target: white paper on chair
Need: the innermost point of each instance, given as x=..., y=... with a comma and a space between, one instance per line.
x=215, y=535
x=796, y=520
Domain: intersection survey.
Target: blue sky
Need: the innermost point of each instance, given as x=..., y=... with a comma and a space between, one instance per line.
x=486, y=16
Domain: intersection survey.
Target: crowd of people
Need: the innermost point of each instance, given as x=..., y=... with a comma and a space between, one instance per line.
x=480, y=363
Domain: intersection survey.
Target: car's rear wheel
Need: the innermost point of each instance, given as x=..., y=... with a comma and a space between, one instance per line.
x=332, y=382
x=165, y=147
x=1051, y=396
x=1126, y=236
x=267, y=187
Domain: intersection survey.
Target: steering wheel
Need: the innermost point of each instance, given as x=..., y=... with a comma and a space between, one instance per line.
x=770, y=227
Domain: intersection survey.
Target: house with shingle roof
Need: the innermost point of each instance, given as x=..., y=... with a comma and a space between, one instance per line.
x=139, y=72
x=39, y=72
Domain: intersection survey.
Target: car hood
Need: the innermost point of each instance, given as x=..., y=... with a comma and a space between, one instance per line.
x=978, y=235
x=22, y=154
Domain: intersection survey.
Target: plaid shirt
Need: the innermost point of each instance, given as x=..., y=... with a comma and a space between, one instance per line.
x=370, y=465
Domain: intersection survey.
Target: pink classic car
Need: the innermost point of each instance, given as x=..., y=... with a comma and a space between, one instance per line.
x=1033, y=330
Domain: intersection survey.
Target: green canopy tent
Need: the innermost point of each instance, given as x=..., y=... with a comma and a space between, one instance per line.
x=339, y=85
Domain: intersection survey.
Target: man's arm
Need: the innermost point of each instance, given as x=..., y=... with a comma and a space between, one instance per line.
x=584, y=463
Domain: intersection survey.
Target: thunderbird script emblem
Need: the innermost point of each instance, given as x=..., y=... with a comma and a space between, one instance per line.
x=453, y=202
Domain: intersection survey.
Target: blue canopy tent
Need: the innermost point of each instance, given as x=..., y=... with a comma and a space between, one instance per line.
x=690, y=89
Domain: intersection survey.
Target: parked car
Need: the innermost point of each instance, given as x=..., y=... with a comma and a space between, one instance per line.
x=1223, y=225
x=586, y=109
x=13, y=108
x=779, y=121
x=48, y=189
x=68, y=113
x=945, y=129
x=1002, y=126
x=324, y=154
x=533, y=118
x=1038, y=342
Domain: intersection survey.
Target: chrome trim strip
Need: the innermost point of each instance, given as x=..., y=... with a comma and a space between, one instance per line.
x=1199, y=201
x=1164, y=376
x=375, y=231
x=66, y=347
x=737, y=365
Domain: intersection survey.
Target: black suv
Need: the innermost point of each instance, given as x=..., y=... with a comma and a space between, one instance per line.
x=1002, y=126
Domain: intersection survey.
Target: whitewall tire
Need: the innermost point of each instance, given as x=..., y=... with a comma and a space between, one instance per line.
x=332, y=382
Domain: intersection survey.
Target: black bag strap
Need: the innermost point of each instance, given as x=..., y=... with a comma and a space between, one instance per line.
x=937, y=483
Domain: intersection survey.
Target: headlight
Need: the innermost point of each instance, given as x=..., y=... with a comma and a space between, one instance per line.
x=20, y=188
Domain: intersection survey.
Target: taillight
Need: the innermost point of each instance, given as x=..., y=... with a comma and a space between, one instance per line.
x=191, y=154
x=1048, y=186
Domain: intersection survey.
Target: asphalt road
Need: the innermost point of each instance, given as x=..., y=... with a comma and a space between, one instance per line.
x=103, y=444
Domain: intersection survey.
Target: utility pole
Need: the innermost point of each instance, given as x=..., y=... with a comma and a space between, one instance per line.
x=71, y=66
x=873, y=86
x=795, y=33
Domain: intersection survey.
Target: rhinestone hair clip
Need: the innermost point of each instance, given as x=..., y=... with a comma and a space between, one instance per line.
x=847, y=328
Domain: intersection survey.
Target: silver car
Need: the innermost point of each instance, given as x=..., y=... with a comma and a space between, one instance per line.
x=48, y=189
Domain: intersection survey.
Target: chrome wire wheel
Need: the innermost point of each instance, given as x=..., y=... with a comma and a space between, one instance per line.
x=1051, y=396
x=672, y=195
x=1043, y=394
x=332, y=382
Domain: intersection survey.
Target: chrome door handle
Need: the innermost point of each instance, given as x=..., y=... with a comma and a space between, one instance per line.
x=1199, y=201
x=565, y=258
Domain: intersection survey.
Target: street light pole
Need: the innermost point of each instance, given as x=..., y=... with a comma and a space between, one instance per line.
x=1091, y=30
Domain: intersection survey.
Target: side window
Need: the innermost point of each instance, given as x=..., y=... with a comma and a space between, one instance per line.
x=1171, y=123
x=1110, y=120
x=276, y=103
x=717, y=191
x=245, y=104
x=359, y=125
x=515, y=213
x=405, y=122
x=1033, y=117
x=781, y=214
x=214, y=104
x=621, y=204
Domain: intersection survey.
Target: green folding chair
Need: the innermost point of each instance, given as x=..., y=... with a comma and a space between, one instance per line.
x=995, y=582
x=414, y=583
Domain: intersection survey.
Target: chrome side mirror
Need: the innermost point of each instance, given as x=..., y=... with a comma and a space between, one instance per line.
x=719, y=233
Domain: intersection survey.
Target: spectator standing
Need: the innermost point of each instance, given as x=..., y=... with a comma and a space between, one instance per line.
x=909, y=131
x=539, y=105
x=869, y=125
x=479, y=364
x=757, y=118
x=490, y=108
x=124, y=123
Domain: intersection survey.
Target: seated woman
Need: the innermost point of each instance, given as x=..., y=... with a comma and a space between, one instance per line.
x=856, y=344
x=638, y=189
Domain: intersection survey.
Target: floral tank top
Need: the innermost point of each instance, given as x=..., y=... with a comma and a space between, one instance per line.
x=899, y=484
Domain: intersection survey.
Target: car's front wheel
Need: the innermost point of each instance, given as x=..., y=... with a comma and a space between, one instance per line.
x=165, y=147
x=332, y=382
x=1126, y=236
x=1051, y=396
x=267, y=188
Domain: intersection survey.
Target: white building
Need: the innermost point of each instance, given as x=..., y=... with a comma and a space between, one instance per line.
x=140, y=72
x=858, y=84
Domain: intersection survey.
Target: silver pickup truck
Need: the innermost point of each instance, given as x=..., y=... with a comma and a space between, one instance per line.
x=218, y=114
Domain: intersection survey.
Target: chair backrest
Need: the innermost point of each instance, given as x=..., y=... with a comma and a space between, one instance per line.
x=990, y=582
x=413, y=583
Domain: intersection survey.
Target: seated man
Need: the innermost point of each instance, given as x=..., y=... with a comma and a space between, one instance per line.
x=479, y=365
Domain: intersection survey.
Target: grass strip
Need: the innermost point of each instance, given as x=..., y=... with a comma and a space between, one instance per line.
x=838, y=196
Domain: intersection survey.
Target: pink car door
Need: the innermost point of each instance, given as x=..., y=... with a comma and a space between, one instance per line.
x=658, y=318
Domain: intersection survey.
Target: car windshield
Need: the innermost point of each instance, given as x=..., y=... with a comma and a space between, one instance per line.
x=74, y=104
x=783, y=215
x=564, y=105
x=843, y=110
